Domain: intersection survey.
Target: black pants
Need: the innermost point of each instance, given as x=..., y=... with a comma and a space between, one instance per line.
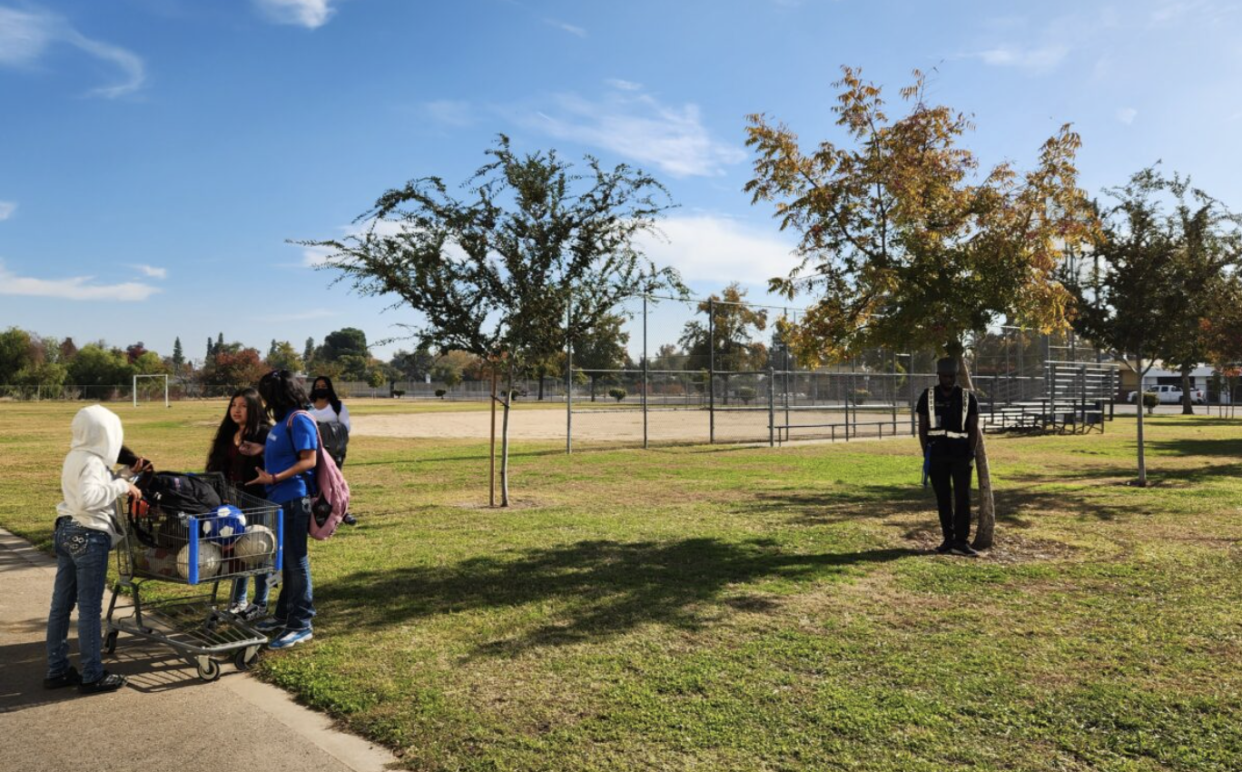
x=950, y=479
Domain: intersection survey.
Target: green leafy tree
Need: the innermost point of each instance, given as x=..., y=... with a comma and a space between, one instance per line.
x=149, y=363
x=97, y=365
x=178, y=356
x=308, y=352
x=349, y=341
x=904, y=245
x=15, y=353
x=1222, y=332
x=535, y=254
x=1133, y=288
x=413, y=365
x=42, y=374
x=731, y=328
x=1207, y=251
x=354, y=367
x=602, y=348
x=283, y=356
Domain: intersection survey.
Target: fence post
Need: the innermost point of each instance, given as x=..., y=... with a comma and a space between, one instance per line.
x=569, y=379
x=711, y=371
x=645, y=439
x=772, y=407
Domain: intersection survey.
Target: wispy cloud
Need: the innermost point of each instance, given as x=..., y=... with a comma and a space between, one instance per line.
x=7, y=208
x=151, y=271
x=715, y=249
x=624, y=85
x=572, y=29
x=451, y=112
x=311, y=14
x=1040, y=59
x=637, y=126
x=1127, y=115
x=72, y=288
x=25, y=36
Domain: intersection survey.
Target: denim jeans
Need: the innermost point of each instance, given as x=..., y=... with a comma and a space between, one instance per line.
x=261, y=590
x=296, y=604
x=81, y=571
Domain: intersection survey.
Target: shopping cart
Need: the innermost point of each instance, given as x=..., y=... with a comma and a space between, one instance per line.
x=200, y=551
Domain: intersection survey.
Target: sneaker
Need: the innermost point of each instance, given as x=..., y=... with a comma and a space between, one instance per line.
x=269, y=625
x=290, y=638
x=252, y=612
x=349, y=519
x=237, y=609
x=110, y=682
x=963, y=549
x=944, y=547
x=70, y=677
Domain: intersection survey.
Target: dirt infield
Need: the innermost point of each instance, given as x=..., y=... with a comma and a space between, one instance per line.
x=665, y=426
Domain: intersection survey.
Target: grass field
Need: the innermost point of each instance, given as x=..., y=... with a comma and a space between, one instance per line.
x=727, y=608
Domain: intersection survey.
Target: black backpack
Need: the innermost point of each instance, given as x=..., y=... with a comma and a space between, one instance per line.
x=335, y=440
x=174, y=493
x=156, y=520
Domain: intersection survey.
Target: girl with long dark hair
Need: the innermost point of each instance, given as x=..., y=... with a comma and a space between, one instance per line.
x=327, y=408
x=288, y=478
x=237, y=453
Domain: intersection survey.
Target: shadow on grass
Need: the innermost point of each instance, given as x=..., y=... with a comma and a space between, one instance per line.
x=1231, y=447
x=1092, y=493
x=608, y=587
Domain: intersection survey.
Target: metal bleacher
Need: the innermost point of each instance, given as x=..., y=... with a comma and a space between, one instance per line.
x=1071, y=397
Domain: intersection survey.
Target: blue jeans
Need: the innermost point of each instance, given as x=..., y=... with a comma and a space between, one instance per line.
x=296, y=605
x=261, y=590
x=81, y=571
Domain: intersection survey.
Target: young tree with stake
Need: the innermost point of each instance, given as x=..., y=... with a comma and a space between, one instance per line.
x=535, y=254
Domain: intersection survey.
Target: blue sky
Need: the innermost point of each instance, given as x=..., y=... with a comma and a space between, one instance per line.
x=155, y=155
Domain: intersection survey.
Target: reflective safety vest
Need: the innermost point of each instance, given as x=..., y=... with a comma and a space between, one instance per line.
x=938, y=430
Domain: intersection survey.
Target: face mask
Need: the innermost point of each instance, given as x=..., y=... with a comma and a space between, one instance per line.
x=320, y=394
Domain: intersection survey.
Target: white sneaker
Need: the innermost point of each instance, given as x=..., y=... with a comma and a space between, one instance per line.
x=290, y=638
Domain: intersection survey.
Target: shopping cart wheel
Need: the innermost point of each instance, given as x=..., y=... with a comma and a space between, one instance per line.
x=208, y=669
x=109, y=647
x=246, y=658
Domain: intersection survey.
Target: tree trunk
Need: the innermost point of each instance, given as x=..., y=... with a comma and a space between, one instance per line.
x=504, y=439
x=541, y=385
x=1187, y=404
x=593, y=377
x=985, y=533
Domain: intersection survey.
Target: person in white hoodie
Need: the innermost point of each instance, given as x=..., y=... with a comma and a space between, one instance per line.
x=86, y=531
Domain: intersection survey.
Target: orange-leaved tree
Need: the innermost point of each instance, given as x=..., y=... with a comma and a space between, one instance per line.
x=905, y=243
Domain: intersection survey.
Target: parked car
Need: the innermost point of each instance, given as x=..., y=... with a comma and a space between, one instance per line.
x=1171, y=395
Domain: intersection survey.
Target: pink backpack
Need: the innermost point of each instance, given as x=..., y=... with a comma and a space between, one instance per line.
x=331, y=501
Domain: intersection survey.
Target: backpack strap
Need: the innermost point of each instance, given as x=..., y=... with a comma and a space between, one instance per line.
x=318, y=448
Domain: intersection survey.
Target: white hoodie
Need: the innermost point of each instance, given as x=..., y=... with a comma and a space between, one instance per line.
x=86, y=481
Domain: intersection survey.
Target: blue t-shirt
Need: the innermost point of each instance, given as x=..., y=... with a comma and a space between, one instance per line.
x=281, y=452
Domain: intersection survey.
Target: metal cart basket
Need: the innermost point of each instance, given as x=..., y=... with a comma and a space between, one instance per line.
x=243, y=538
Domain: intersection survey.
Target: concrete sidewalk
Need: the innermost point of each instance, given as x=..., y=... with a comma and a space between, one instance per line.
x=166, y=719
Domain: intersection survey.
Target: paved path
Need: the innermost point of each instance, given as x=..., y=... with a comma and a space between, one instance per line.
x=166, y=719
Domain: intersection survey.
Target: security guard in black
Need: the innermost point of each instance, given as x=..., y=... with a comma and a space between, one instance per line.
x=949, y=434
